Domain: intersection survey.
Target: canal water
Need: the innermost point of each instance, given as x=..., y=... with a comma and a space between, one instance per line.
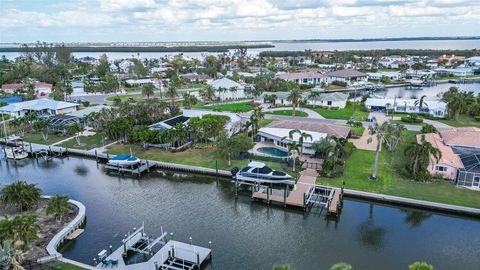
x=433, y=92
x=246, y=234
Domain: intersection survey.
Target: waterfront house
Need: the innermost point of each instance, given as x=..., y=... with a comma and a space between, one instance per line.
x=41, y=88
x=277, y=133
x=41, y=107
x=233, y=126
x=435, y=108
x=196, y=78
x=306, y=77
x=226, y=89
x=473, y=61
x=454, y=71
x=273, y=99
x=392, y=76
x=335, y=99
x=347, y=75
x=460, y=160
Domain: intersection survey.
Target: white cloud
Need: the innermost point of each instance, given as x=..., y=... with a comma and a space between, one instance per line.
x=145, y=18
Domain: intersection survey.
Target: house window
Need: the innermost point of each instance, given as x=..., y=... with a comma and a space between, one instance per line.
x=329, y=103
x=476, y=181
x=441, y=169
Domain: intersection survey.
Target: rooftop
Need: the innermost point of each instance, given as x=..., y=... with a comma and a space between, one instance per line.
x=225, y=83
x=447, y=154
x=329, y=129
x=37, y=104
x=346, y=73
x=466, y=136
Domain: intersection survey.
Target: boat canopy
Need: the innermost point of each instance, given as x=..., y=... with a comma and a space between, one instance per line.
x=256, y=164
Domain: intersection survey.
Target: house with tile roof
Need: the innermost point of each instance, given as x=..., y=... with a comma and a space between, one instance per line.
x=460, y=155
x=347, y=75
x=335, y=99
x=304, y=77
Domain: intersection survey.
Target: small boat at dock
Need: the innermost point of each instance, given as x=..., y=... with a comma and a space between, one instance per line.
x=123, y=160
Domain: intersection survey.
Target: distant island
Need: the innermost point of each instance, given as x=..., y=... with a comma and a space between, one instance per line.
x=374, y=39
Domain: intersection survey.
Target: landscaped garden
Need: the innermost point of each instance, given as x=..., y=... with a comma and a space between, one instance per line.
x=351, y=111
x=288, y=113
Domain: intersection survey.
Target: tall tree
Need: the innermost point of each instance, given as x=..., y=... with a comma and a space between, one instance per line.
x=20, y=195
x=419, y=157
x=148, y=90
x=294, y=96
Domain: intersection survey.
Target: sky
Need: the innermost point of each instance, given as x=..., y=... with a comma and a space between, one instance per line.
x=230, y=20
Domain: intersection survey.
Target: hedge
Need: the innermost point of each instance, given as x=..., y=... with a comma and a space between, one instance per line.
x=409, y=119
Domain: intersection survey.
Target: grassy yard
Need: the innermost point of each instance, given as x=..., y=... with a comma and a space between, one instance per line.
x=357, y=130
x=463, y=121
x=37, y=138
x=204, y=157
x=288, y=113
x=123, y=98
x=65, y=266
x=265, y=122
x=232, y=107
x=352, y=110
x=405, y=123
x=87, y=142
x=359, y=168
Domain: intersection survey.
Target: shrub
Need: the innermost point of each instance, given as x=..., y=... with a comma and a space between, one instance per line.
x=339, y=83
x=5, y=116
x=86, y=103
x=427, y=128
x=410, y=119
x=477, y=118
x=420, y=266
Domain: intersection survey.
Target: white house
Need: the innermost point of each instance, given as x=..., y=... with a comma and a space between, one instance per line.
x=273, y=98
x=226, y=89
x=233, y=126
x=125, y=66
x=334, y=99
x=393, y=76
x=280, y=138
x=454, y=71
x=42, y=106
x=473, y=61
x=347, y=75
x=41, y=88
x=304, y=77
x=142, y=82
x=435, y=108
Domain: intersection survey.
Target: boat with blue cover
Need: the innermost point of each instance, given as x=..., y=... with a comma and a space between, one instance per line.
x=124, y=160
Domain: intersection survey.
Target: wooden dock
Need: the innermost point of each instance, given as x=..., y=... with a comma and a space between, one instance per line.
x=305, y=193
x=74, y=234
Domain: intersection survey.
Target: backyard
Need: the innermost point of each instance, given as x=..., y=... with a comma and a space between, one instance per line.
x=37, y=138
x=351, y=111
x=462, y=121
x=359, y=168
x=288, y=113
x=86, y=142
x=202, y=157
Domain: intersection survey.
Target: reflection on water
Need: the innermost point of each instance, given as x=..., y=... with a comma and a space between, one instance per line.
x=246, y=234
x=370, y=234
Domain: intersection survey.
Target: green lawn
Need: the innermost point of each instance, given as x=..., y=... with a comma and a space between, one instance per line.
x=357, y=130
x=359, y=168
x=405, y=123
x=65, y=266
x=123, y=98
x=265, y=122
x=352, y=110
x=455, y=77
x=37, y=138
x=288, y=113
x=463, y=121
x=232, y=107
x=204, y=157
x=87, y=142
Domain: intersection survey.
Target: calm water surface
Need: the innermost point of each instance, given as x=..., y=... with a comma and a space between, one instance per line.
x=301, y=46
x=245, y=234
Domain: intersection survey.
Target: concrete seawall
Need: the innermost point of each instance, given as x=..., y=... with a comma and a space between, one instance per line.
x=401, y=201
x=59, y=238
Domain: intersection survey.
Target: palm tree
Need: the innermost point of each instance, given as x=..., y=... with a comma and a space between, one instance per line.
x=42, y=126
x=148, y=90
x=324, y=147
x=20, y=195
x=420, y=102
x=189, y=100
x=26, y=228
x=302, y=136
x=293, y=150
x=227, y=147
x=294, y=97
x=313, y=96
x=58, y=205
x=420, y=154
x=387, y=133
x=208, y=93
x=75, y=129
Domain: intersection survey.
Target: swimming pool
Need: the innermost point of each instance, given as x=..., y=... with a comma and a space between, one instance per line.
x=272, y=151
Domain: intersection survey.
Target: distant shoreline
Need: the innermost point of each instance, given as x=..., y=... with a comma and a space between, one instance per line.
x=135, y=49
x=374, y=39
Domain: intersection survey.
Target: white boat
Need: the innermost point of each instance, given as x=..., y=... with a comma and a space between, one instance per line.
x=11, y=152
x=15, y=153
x=123, y=160
x=258, y=172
